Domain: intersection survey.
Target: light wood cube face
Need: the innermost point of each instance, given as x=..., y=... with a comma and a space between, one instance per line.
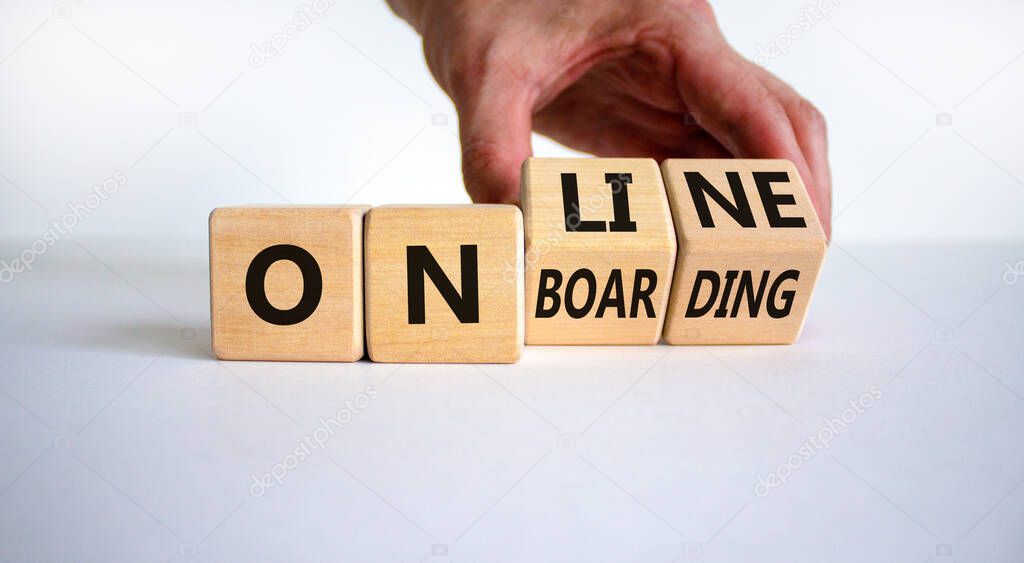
x=600, y=250
x=750, y=249
x=443, y=284
x=286, y=283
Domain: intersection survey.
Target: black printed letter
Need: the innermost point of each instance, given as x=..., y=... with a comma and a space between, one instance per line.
x=420, y=261
x=256, y=291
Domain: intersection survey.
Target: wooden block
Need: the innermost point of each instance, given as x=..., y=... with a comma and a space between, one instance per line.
x=600, y=250
x=286, y=283
x=443, y=284
x=750, y=248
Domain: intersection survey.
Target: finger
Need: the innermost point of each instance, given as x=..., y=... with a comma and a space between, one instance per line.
x=607, y=123
x=811, y=132
x=586, y=106
x=635, y=77
x=635, y=142
x=733, y=105
x=494, y=125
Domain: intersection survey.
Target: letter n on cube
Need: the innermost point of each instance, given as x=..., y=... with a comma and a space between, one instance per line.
x=444, y=284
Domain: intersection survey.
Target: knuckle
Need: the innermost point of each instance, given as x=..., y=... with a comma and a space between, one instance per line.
x=479, y=157
x=701, y=8
x=749, y=101
x=464, y=50
x=665, y=17
x=811, y=116
x=686, y=12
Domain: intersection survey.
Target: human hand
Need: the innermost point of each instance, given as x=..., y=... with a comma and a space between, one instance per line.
x=645, y=78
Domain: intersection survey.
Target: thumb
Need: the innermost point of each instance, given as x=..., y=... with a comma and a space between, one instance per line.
x=494, y=126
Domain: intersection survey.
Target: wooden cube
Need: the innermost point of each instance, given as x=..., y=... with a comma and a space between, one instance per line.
x=750, y=249
x=286, y=283
x=600, y=249
x=443, y=284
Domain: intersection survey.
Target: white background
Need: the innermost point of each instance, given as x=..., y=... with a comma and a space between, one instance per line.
x=122, y=439
x=345, y=112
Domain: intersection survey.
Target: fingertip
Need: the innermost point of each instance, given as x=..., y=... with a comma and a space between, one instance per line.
x=491, y=172
x=495, y=134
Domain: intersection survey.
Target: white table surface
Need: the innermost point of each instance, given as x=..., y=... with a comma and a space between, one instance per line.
x=124, y=440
